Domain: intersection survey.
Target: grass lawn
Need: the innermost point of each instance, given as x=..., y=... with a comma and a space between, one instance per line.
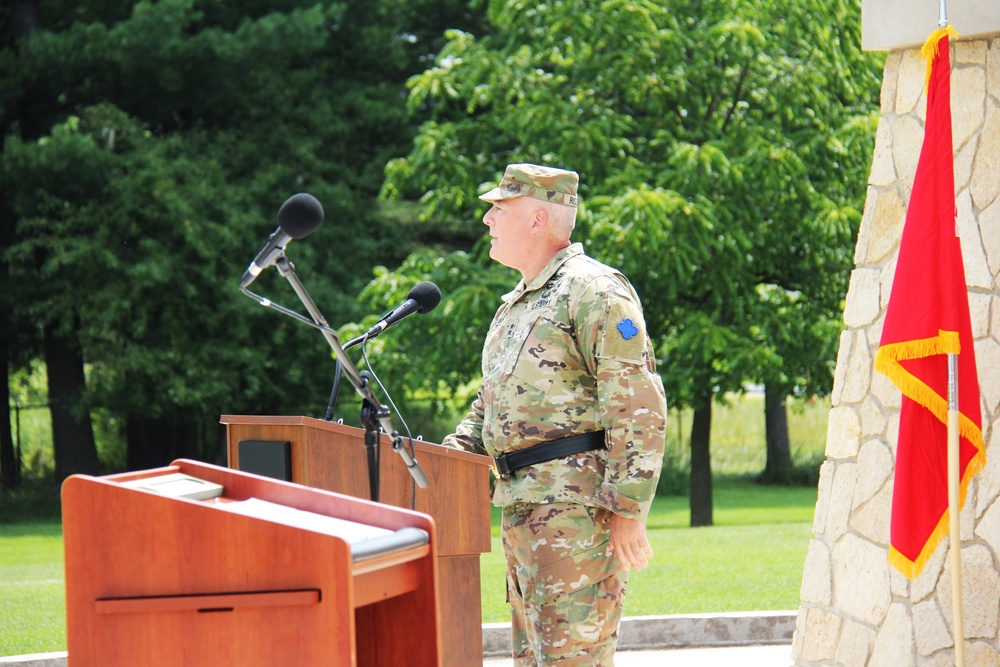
x=32, y=589
x=750, y=560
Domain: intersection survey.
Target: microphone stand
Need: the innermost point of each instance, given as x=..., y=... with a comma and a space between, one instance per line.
x=335, y=391
x=374, y=415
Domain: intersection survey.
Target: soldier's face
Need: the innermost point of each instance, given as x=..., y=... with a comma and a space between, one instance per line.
x=510, y=223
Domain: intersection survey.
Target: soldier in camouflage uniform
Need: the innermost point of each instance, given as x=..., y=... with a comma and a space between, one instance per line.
x=567, y=361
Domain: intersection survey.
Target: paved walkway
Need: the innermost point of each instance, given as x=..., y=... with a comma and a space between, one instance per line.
x=764, y=638
x=730, y=656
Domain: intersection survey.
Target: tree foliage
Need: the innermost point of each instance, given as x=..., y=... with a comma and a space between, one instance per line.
x=147, y=148
x=723, y=149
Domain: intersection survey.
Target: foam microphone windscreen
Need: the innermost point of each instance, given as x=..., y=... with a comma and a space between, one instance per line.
x=300, y=215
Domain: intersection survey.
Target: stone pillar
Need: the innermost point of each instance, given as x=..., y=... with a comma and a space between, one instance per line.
x=856, y=610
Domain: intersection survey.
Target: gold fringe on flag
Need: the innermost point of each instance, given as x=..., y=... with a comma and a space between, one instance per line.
x=912, y=568
x=929, y=50
x=887, y=362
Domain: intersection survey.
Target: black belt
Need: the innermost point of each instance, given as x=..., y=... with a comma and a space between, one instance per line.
x=548, y=451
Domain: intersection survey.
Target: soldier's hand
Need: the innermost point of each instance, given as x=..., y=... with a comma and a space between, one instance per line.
x=629, y=543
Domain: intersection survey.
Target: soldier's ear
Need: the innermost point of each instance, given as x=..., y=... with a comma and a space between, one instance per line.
x=539, y=220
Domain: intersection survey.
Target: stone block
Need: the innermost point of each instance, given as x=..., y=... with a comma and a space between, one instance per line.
x=888, y=396
x=995, y=316
x=908, y=137
x=839, y=512
x=926, y=582
x=899, y=585
x=909, y=82
x=823, y=497
x=862, y=306
x=873, y=419
x=982, y=654
x=894, y=645
x=840, y=371
x=819, y=639
x=816, y=575
x=872, y=519
x=861, y=580
x=987, y=359
x=942, y=658
x=992, y=69
x=964, y=158
x=988, y=528
x=883, y=171
x=979, y=311
x=929, y=628
x=800, y=633
x=985, y=182
x=987, y=482
x=888, y=275
x=980, y=593
x=969, y=85
x=969, y=52
x=856, y=641
x=977, y=270
x=892, y=430
x=843, y=433
x=989, y=224
x=860, y=367
x=885, y=229
x=890, y=77
x=875, y=466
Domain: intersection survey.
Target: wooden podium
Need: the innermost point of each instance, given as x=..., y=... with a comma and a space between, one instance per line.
x=267, y=573
x=331, y=456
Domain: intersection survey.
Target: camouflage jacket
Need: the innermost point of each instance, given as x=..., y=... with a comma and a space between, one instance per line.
x=569, y=354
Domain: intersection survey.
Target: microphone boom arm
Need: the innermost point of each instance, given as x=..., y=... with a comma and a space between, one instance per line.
x=381, y=413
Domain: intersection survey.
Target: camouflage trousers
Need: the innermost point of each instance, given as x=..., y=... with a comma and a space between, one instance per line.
x=564, y=586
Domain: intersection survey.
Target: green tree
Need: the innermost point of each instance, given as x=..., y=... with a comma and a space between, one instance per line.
x=722, y=147
x=147, y=148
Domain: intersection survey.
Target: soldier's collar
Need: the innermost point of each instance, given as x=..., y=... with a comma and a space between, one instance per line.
x=547, y=271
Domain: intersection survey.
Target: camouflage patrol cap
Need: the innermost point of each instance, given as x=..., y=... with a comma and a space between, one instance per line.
x=532, y=180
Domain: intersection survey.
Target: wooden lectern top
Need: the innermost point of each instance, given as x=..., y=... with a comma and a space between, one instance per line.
x=331, y=456
x=162, y=571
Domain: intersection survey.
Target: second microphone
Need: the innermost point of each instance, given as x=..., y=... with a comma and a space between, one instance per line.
x=423, y=298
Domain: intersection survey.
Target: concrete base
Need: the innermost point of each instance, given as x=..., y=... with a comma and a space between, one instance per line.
x=36, y=660
x=638, y=633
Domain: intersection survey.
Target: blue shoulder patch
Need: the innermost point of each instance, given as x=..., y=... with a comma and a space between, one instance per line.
x=627, y=328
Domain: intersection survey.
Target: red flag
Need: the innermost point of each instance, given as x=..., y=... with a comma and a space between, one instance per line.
x=928, y=318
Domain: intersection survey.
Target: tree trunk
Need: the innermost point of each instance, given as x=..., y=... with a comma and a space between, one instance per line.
x=25, y=14
x=10, y=466
x=152, y=442
x=73, y=443
x=778, y=468
x=701, y=462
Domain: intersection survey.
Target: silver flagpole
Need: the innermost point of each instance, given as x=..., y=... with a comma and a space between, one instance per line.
x=953, y=511
x=954, y=481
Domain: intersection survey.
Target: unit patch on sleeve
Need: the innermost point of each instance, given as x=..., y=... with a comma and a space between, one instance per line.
x=627, y=328
x=624, y=337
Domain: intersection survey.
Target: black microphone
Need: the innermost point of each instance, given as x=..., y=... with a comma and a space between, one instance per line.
x=298, y=217
x=423, y=298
